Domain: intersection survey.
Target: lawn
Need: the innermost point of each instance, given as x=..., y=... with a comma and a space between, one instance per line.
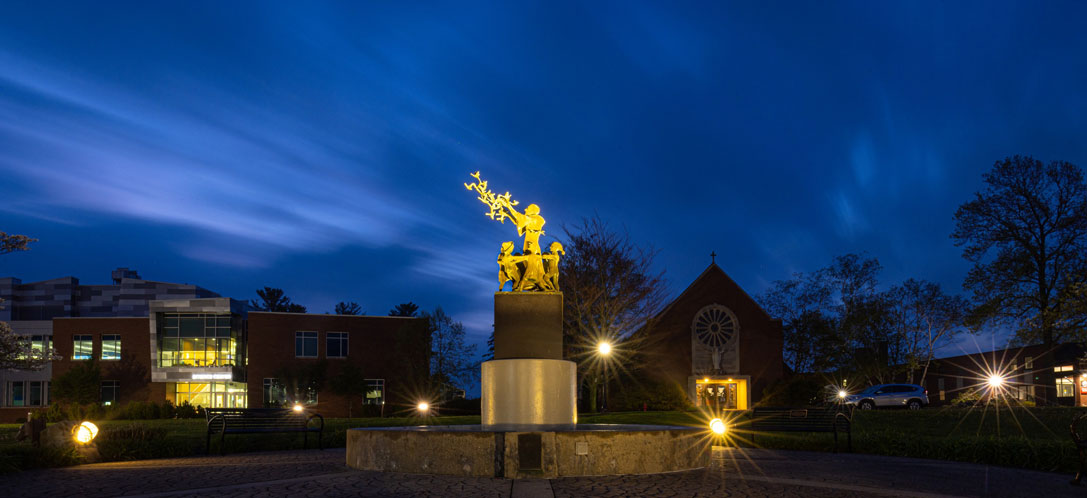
x=1034, y=438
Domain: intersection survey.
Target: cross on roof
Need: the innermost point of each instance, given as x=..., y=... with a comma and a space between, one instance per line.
x=713, y=257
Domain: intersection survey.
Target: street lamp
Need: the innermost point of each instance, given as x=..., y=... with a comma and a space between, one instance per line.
x=604, y=348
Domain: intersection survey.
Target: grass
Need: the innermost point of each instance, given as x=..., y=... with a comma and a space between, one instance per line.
x=1035, y=438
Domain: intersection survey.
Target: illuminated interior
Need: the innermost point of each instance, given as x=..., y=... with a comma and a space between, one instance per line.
x=721, y=394
x=196, y=340
x=208, y=394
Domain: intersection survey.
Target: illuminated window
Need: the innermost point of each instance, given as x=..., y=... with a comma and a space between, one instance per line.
x=109, y=392
x=111, y=347
x=82, y=347
x=375, y=391
x=1028, y=362
x=336, y=345
x=1063, y=368
x=940, y=387
x=209, y=394
x=305, y=344
x=1066, y=387
x=39, y=346
x=196, y=340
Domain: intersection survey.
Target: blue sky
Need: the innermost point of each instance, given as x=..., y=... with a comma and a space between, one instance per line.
x=321, y=148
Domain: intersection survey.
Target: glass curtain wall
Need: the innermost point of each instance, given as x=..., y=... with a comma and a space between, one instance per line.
x=196, y=340
x=209, y=394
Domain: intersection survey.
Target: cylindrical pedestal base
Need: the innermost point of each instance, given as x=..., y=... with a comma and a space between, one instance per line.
x=529, y=391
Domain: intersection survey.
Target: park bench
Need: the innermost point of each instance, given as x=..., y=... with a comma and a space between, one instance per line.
x=260, y=421
x=831, y=419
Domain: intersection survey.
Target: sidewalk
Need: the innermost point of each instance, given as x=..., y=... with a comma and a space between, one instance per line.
x=734, y=473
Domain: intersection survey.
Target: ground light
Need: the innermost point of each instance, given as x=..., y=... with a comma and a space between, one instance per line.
x=718, y=427
x=423, y=407
x=297, y=407
x=85, y=432
x=996, y=381
x=842, y=394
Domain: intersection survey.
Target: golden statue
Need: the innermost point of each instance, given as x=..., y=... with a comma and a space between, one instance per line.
x=526, y=271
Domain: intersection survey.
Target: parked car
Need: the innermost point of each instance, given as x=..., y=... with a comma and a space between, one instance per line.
x=910, y=396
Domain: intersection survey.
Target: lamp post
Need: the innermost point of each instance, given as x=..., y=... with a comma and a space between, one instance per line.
x=604, y=348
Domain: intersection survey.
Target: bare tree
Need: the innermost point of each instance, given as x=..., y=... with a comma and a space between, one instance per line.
x=452, y=362
x=926, y=319
x=610, y=290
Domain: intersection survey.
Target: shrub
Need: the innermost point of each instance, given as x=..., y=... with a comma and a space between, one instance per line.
x=186, y=410
x=651, y=395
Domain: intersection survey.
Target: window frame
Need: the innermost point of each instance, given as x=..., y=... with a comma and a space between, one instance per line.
x=303, y=336
x=102, y=353
x=375, y=383
x=343, y=343
x=77, y=342
x=115, y=386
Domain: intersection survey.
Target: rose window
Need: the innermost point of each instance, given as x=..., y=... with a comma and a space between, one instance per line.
x=715, y=326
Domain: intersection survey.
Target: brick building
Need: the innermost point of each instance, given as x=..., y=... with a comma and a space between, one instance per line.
x=31, y=309
x=716, y=343
x=215, y=353
x=1036, y=373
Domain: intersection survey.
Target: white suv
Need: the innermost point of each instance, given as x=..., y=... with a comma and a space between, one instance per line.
x=910, y=396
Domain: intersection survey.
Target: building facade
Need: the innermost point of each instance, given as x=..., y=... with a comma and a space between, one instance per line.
x=716, y=344
x=31, y=309
x=155, y=341
x=1042, y=375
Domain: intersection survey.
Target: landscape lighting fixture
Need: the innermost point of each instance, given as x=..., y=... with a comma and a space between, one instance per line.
x=842, y=394
x=423, y=407
x=717, y=426
x=604, y=347
x=996, y=381
x=85, y=432
x=297, y=407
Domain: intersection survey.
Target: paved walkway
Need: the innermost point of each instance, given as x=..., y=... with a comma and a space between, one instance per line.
x=734, y=473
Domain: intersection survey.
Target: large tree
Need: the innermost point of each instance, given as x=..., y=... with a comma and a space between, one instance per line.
x=452, y=361
x=610, y=290
x=1026, y=234
x=803, y=304
x=926, y=319
x=272, y=299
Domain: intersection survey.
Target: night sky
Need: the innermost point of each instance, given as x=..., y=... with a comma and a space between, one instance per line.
x=322, y=149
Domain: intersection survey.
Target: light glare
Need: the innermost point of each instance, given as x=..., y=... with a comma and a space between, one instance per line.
x=85, y=432
x=842, y=394
x=423, y=406
x=297, y=407
x=995, y=381
x=718, y=426
x=604, y=347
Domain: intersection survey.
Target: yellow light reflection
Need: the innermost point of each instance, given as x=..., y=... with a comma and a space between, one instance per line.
x=718, y=426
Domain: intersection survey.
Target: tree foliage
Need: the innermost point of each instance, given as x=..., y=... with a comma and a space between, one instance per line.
x=350, y=383
x=1026, y=234
x=404, y=309
x=836, y=318
x=349, y=308
x=81, y=384
x=16, y=351
x=273, y=299
x=302, y=381
x=452, y=361
x=12, y=243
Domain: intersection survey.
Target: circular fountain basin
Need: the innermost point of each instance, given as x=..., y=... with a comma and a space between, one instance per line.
x=526, y=451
